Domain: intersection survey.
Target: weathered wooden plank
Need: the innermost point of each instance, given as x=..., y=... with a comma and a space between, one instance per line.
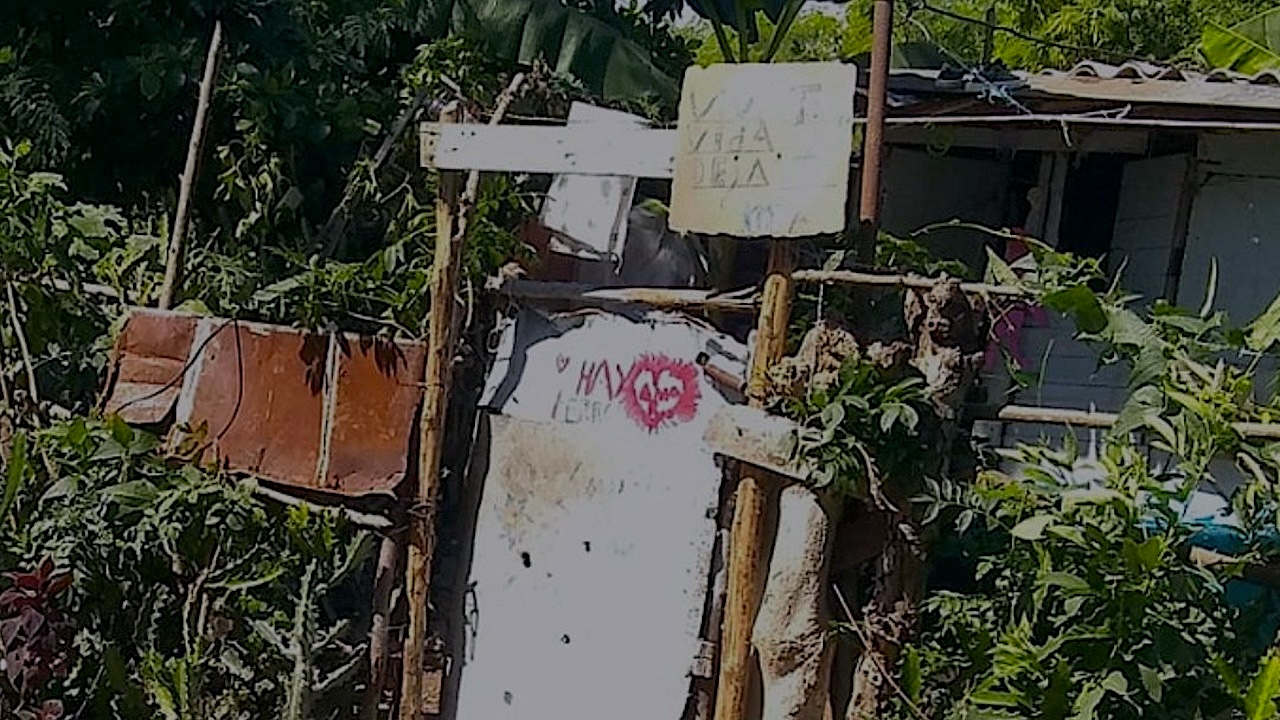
x=753, y=436
x=581, y=149
x=664, y=298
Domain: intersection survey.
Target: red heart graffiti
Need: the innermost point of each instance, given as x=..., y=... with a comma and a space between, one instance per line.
x=562, y=362
x=660, y=391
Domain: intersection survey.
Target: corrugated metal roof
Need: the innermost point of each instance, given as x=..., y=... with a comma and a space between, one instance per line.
x=1131, y=83
x=1136, y=70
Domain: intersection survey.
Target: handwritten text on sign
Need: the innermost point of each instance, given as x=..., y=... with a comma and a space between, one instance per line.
x=764, y=149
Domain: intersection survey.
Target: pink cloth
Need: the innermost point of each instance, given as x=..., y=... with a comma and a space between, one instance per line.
x=1012, y=318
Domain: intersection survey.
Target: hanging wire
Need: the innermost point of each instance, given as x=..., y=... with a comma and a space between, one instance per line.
x=924, y=5
x=992, y=90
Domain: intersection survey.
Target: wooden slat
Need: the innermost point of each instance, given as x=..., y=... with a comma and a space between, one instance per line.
x=595, y=295
x=582, y=149
x=753, y=436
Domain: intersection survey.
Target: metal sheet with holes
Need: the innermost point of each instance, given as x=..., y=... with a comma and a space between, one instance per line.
x=333, y=413
x=596, y=521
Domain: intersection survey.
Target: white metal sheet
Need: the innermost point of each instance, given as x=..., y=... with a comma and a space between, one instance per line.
x=594, y=534
x=589, y=213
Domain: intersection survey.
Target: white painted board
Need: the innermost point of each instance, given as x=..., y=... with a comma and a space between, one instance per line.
x=763, y=149
x=596, y=522
x=586, y=213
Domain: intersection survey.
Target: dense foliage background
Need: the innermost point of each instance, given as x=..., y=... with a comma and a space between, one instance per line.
x=140, y=585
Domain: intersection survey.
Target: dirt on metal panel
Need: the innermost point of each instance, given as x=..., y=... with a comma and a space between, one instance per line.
x=597, y=518
x=327, y=412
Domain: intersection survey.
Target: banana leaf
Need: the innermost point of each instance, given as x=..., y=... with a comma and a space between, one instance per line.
x=1249, y=47
x=571, y=41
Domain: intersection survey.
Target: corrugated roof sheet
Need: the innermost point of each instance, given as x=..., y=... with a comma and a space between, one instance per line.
x=1136, y=70
x=1137, y=82
x=1131, y=83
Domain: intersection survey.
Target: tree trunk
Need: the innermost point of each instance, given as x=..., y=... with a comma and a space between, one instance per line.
x=793, y=626
x=887, y=621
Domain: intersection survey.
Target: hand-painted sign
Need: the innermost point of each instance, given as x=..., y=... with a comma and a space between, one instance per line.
x=764, y=149
x=610, y=371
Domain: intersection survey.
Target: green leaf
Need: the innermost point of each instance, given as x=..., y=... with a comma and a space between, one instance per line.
x=1088, y=496
x=1087, y=703
x=912, y=680
x=247, y=584
x=15, y=473
x=1069, y=582
x=1264, y=331
x=1151, y=682
x=149, y=84
x=1249, y=47
x=998, y=271
x=1144, y=556
x=994, y=698
x=1070, y=533
x=1055, y=696
x=1032, y=528
x=1142, y=407
x=133, y=495
x=1081, y=303
x=570, y=40
x=1259, y=701
x=1116, y=683
x=1212, y=290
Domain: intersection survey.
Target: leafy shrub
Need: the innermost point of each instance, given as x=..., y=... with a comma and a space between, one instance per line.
x=34, y=636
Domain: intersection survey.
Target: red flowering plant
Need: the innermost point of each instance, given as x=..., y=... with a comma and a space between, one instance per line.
x=35, y=639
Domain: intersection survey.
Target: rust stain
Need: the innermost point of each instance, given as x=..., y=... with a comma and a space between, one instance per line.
x=334, y=413
x=377, y=380
x=258, y=396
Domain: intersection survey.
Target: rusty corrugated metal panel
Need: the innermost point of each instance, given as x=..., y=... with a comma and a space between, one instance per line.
x=377, y=380
x=258, y=397
x=334, y=413
x=149, y=359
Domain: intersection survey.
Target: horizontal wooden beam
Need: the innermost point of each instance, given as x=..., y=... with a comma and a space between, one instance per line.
x=599, y=295
x=582, y=149
x=608, y=149
x=1089, y=418
x=1034, y=139
x=853, y=277
x=753, y=436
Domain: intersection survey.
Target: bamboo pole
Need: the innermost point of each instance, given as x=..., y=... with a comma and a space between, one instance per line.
x=195, y=148
x=746, y=567
x=422, y=516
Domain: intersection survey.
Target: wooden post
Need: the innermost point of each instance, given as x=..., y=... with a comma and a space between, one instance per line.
x=746, y=567
x=195, y=148
x=422, y=517
x=873, y=144
x=383, y=583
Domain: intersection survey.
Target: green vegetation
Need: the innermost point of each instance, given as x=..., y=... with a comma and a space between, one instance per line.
x=142, y=585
